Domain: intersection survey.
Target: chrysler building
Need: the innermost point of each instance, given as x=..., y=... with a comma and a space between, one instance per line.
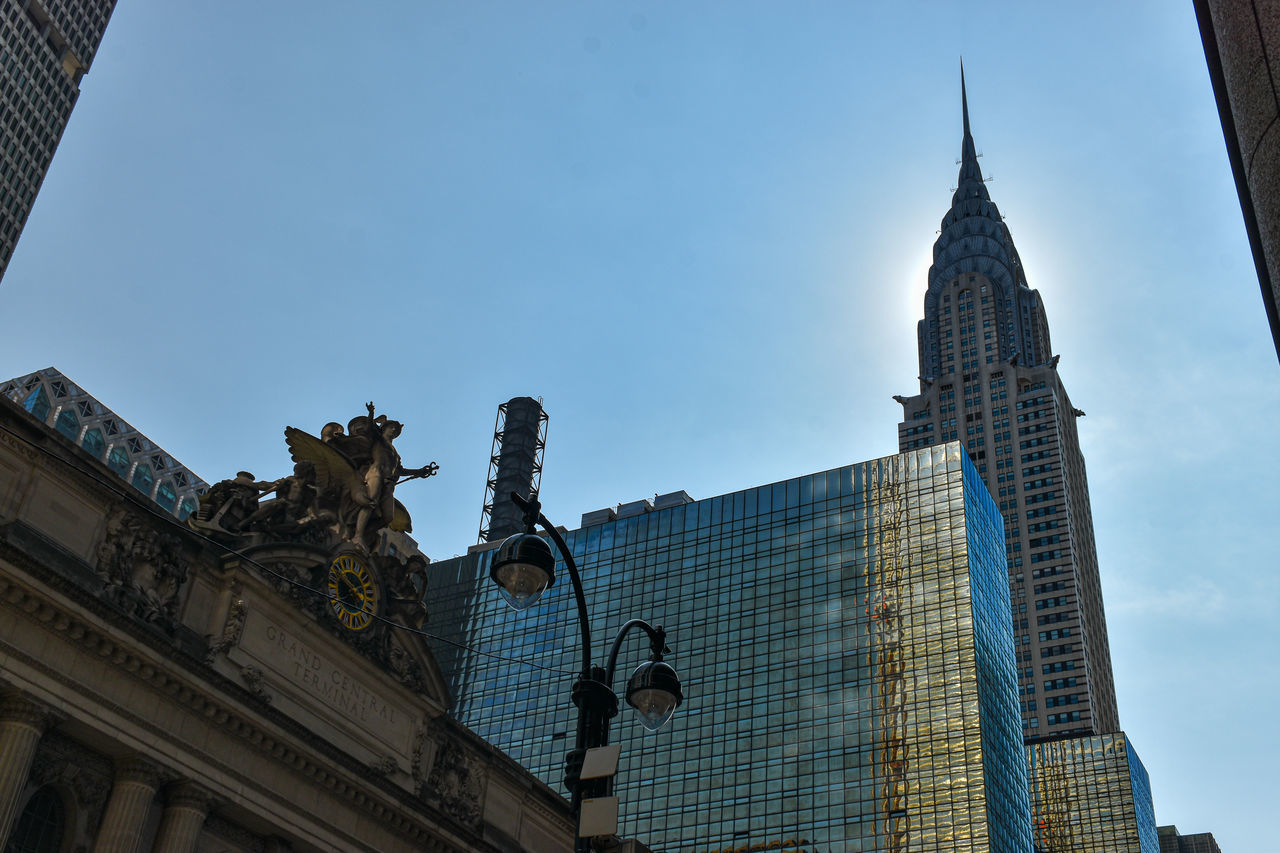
x=989, y=378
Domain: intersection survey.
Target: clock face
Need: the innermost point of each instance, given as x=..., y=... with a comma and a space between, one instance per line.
x=353, y=593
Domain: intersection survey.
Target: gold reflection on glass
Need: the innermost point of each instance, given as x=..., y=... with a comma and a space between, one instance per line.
x=840, y=646
x=1090, y=795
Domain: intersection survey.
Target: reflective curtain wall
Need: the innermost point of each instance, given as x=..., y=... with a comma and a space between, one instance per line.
x=845, y=648
x=1091, y=795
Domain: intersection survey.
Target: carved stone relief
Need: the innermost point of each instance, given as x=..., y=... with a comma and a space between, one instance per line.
x=252, y=677
x=456, y=783
x=231, y=632
x=73, y=767
x=385, y=765
x=426, y=745
x=142, y=568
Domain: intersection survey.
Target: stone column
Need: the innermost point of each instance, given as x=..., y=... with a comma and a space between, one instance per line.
x=135, y=786
x=186, y=806
x=22, y=723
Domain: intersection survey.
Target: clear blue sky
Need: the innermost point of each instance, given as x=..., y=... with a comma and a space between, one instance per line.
x=700, y=231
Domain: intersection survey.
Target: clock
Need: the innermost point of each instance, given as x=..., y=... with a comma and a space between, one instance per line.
x=353, y=591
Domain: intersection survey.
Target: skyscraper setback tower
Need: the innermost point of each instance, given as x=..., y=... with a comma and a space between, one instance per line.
x=989, y=379
x=46, y=46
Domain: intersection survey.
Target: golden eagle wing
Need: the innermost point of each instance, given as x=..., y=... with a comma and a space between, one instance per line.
x=401, y=519
x=333, y=469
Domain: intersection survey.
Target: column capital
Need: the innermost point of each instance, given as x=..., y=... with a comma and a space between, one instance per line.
x=143, y=771
x=20, y=708
x=185, y=794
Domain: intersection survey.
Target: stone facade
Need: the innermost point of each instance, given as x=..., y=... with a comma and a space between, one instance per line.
x=160, y=692
x=1242, y=47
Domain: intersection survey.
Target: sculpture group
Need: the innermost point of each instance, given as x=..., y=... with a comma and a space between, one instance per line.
x=342, y=488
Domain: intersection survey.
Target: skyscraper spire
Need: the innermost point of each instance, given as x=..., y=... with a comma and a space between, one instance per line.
x=969, y=171
x=974, y=240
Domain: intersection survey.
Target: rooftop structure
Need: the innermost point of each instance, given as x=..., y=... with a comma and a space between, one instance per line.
x=515, y=465
x=54, y=400
x=1172, y=841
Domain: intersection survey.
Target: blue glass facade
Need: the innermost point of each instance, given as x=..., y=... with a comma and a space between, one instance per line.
x=846, y=652
x=996, y=669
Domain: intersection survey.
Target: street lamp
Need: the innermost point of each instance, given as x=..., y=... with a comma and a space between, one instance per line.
x=524, y=568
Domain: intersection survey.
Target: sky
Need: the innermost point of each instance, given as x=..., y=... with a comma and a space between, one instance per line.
x=700, y=232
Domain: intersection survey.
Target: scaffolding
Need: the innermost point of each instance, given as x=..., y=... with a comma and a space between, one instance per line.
x=515, y=465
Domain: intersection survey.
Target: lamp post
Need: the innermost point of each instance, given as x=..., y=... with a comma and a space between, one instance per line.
x=523, y=569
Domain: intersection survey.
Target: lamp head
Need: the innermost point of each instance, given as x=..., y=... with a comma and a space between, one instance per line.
x=523, y=568
x=654, y=691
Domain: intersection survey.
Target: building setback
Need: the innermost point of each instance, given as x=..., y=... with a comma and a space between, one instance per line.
x=989, y=379
x=46, y=46
x=1172, y=841
x=1091, y=795
x=844, y=643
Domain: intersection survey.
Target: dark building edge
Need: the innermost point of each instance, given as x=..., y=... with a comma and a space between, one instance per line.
x=1208, y=37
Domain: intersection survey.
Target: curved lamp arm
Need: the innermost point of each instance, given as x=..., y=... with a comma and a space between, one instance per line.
x=657, y=645
x=533, y=509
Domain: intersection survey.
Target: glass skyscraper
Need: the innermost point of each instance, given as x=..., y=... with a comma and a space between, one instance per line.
x=46, y=46
x=845, y=648
x=1091, y=795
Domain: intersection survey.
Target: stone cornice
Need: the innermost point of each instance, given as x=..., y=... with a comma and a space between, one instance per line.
x=20, y=447
x=201, y=691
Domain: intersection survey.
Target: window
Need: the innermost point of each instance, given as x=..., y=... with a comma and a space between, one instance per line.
x=68, y=424
x=166, y=496
x=94, y=443
x=143, y=479
x=37, y=403
x=119, y=461
x=41, y=825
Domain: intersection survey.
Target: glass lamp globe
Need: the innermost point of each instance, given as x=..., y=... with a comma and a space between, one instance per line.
x=523, y=568
x=654, y=691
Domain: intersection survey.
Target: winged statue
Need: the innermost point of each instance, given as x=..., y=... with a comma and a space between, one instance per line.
x=356, y=473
